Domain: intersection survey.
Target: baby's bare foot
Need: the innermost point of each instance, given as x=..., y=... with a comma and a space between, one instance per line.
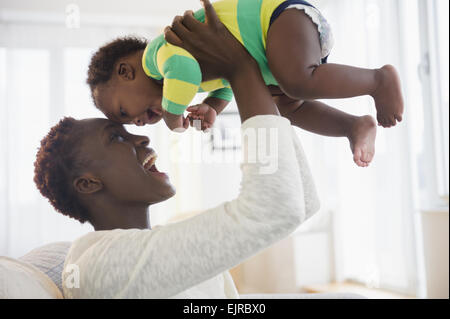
x=362, y=140
x=388, y=97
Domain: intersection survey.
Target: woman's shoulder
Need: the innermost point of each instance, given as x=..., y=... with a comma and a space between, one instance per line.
x=95, y=240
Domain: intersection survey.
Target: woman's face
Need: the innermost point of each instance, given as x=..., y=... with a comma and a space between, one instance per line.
x=117, y=158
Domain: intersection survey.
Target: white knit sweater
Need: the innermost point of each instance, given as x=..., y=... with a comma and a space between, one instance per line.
x=190, y=258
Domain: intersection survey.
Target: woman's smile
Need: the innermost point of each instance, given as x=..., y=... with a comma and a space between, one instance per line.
x=149, y=165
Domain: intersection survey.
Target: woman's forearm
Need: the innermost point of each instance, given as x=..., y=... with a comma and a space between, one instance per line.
x=251, y=94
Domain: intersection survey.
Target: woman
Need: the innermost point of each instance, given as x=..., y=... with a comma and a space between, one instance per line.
x=110, y=180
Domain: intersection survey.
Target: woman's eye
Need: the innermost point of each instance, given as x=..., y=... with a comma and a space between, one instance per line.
x=117, y=137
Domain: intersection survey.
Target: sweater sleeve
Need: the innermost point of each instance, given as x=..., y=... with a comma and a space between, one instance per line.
x=169, y=259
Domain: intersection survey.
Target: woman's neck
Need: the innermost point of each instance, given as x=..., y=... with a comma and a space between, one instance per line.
x=108, y=217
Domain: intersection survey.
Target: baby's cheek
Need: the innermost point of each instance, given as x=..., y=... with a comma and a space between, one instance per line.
x=156, y=120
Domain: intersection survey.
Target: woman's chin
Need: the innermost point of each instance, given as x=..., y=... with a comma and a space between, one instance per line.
x=171, y=192
x=163, y=196
x=163, y=189
x=158, y=185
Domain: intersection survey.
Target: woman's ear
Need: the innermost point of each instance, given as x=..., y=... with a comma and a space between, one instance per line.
x=87, y=184
x=126, y=71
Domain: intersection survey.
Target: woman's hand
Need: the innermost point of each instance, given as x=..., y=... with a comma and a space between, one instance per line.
x=222, y=55
x=212, y=45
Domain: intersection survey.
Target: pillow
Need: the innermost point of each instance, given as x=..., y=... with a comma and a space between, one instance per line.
x=19, y=280
x=49, y=259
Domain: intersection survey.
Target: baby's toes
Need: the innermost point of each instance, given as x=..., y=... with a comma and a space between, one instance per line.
x=361, y=164
x=392, y=121
x=384, y=122
x=380, y=120
x=367, y=157
x=358, y=162
x=357, y=157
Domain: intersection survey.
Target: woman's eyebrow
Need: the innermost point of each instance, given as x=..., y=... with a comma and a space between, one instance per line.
x=118, y=117
x=111, y=116
x=109, y=126
x=121, y=119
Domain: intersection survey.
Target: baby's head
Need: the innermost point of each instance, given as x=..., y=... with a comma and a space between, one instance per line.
x=119, y=86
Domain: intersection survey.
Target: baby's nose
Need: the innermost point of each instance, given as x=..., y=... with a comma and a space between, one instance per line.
x=138, y=121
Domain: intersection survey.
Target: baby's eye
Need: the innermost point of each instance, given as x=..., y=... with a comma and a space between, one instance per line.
x=122, y=112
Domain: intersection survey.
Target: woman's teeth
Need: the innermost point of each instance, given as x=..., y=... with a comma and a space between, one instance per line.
x=149, y=161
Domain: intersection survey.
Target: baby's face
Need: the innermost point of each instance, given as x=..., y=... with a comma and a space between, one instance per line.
x=137, y=102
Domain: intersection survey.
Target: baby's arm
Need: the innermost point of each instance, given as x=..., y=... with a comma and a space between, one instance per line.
x=182, y=78
x=175, y=122
x=202, y=116
x=217, y=104
x=220, y=98
x=212, y=106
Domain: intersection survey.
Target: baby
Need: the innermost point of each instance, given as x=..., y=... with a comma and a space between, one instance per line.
x=133, y=81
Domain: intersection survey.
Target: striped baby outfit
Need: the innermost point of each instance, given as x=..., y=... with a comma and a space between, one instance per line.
x=247, y=20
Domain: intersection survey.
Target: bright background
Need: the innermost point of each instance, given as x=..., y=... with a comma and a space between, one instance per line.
x=372, y=226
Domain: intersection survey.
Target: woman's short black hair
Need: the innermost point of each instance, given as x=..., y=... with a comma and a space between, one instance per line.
x=57, y=162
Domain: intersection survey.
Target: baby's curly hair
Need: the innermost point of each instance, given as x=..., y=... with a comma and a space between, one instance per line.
x=57, y=162
x=103, y=61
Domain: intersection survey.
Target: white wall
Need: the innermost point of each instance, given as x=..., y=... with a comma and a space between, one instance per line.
x=133, y=12
x=129, y=7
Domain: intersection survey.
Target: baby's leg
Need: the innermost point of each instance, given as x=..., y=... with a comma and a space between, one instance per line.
x=293, y=52
x=319, y=118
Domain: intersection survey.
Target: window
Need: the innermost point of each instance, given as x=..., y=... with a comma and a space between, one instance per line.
x=41, y=80
x=442, y=33
x=3, y=168
x=26, y=120
x=372, y=210
x=77, y=96
x=434, y=32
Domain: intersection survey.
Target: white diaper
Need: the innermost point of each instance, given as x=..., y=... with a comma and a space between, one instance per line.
x=326, y=35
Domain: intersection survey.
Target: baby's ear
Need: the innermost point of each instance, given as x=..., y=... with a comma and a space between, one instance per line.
x=125, y=71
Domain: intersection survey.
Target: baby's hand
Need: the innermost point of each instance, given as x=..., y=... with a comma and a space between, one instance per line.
x=177, y=123
x=203, y=112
